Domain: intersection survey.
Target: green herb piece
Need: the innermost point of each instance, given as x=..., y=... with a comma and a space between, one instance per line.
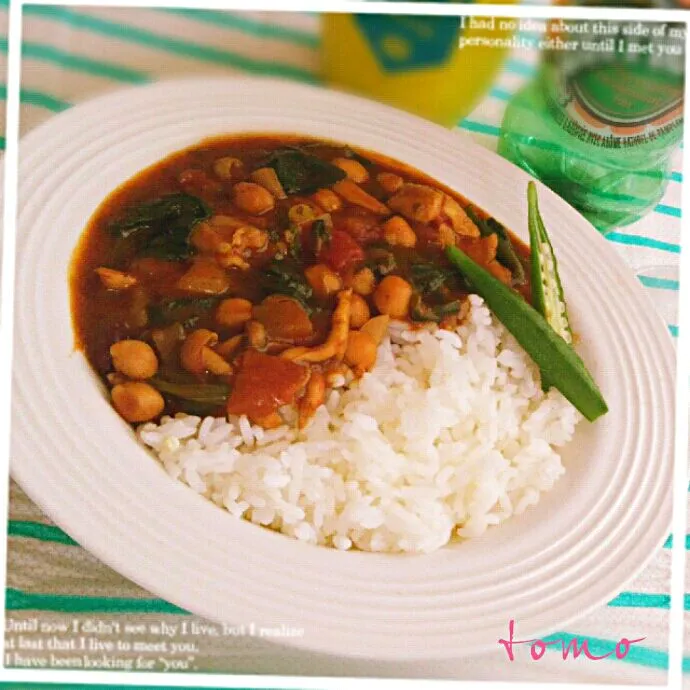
x=215, y=394
x=448, y=308
x=284, y=278
x=183, y=310
x=293, y=237
x=420, y=311
x=380, y=261
x=556, y=359
x=302, y=173
x=159, y=228
x=428, y=277
x=505, y=253
x=321, y=231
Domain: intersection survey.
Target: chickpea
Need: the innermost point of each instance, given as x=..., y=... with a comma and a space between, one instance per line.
x=233, y=312
x=361, y=351
x=323, y=281
x=253, y=198
x=134, y=358
x=136, y=401
x=215, y=363
x=195, y=349
x=353, y=169
x=256, y=334
x=227, y=167
x=397, y=232
x=364, y=281
x=393, y=296
x=327, y=200
x=359, y=311
x=390, y=182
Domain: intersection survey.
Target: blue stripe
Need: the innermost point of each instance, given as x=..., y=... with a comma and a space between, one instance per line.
x=43, y=100
x=48, y=53
x=639, y=600
x=249, y=25
x=641, y=241
x=521, y=67
x=38, y=98
x=673, y=330
x=668, y=210
x=668, y=544
x=659, y=283
x=481, y=127
x=156, y=41
x=501, y=94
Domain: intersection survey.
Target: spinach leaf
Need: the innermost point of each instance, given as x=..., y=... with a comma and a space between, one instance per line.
x=160, y=228
x=303, y=173
x=284, y=278
x=420, y=311
x=380, y=261
x=321, y=231
x=187, y=309
x=211, y=394
x=427, y=277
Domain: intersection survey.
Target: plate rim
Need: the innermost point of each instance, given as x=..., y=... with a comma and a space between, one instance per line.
x=57, y=121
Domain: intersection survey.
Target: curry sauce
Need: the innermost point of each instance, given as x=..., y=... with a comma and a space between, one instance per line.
x=246, y=272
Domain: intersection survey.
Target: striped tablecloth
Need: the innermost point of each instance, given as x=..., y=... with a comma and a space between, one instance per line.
x=70, y=55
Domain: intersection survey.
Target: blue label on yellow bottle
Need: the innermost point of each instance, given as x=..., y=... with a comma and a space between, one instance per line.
x=401, y=43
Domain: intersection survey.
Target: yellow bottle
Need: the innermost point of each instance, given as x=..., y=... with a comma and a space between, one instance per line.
x=436, y=67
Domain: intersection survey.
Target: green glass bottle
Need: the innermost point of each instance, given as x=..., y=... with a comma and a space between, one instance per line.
x=598, y=125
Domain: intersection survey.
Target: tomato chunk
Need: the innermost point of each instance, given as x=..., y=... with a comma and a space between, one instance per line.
x=341, y=252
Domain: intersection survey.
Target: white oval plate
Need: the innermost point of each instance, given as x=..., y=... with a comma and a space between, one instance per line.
x=80, y=462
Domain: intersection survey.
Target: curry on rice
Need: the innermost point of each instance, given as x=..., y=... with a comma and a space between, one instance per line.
x=251, y=272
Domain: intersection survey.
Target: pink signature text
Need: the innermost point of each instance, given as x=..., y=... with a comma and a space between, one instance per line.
x=575, y=646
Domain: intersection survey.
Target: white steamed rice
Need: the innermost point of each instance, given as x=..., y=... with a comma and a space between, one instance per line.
x=449, y=434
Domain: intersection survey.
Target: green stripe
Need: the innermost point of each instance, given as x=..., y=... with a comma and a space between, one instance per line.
x=43, y=100
x=521, y=67
x=642, y=656
x=480, y=127
x=659, y=283
x=668, y=210
x=2, y=143
x=16, y=600
x=37, y=530
x=38, y=98
x=501, y=94
x=173, y=45
x=98, y=68
x=673, y=330
x=668, y=544
x=641, y=241
x=639, y=600
x=250, y=26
